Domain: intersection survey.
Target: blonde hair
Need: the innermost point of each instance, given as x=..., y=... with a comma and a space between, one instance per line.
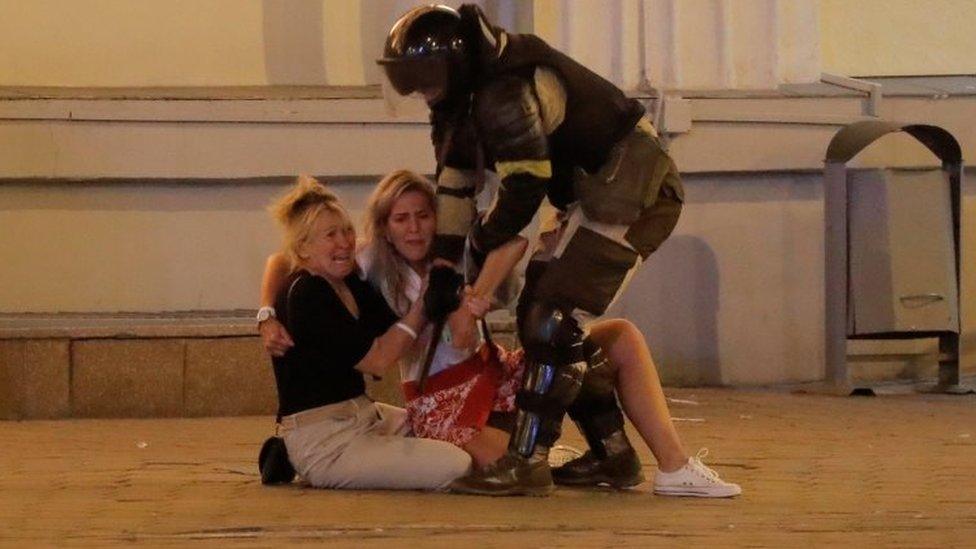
x=387, y=266
x=297, y=211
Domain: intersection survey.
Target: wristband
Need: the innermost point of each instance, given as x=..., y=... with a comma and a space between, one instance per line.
x=407, y=329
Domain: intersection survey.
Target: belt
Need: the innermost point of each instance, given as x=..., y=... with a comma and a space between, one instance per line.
x=344, y=409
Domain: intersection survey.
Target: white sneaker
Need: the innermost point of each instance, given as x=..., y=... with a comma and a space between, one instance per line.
x=694, y=479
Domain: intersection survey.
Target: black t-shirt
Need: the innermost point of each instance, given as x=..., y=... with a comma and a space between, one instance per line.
x=329, y=341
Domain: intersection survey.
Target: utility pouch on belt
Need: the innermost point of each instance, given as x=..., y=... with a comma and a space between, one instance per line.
x=627, y=183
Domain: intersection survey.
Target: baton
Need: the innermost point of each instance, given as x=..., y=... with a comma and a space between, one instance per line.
x=431, y=349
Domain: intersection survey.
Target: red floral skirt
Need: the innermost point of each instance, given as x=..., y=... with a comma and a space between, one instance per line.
x=457, y=401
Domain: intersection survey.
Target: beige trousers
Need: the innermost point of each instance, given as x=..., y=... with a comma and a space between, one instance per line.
x=361, y=444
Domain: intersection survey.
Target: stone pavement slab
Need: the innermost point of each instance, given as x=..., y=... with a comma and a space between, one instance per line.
x=816, y=470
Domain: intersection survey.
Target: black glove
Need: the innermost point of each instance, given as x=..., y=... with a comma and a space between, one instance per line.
x=443, y=295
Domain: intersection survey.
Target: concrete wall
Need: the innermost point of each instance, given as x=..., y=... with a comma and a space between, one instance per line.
x=736, y=294
x=710, y=43
x=135, y=247
x=192, y=42
x=700, y=44
x=680, y=44
x=897, y=37
x=122, y=43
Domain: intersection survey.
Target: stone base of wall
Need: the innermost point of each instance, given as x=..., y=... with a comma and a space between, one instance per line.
x=115, y=367
x=151, y=377
x=194, y=365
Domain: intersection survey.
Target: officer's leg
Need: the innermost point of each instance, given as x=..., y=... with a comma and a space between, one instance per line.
x=611, y=459
x=552, y=340
x=588, y=270
x=596, y=412
x=554, y=372
x=578, y=282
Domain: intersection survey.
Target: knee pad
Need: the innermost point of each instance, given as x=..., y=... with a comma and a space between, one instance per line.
x=550, y=336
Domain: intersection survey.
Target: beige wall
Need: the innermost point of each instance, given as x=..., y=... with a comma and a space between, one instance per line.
x=138, y=247
x=751, y=239
x=92, y=43
x=700, y=44
x=898, y=37
x=132, y=43
x=126, y=43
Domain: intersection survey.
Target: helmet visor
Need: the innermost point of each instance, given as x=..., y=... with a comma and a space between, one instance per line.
x=423, y=74
x=423, y=78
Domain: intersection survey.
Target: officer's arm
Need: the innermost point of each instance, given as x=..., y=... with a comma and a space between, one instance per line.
x=455, y=144
x=455, y=212
x=510, y=123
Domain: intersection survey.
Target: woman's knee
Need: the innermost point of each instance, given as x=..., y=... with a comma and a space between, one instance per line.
x=607, y=332
x=628, y=331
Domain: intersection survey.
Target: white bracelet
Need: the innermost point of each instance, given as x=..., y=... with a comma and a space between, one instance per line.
x=409, y=331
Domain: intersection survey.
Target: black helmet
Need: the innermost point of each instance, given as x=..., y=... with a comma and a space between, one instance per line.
x=425, y=51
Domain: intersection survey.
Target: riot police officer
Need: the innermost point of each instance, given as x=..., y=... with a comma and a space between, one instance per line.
x=549, y=127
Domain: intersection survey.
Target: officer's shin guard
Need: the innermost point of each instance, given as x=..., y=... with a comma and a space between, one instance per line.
x=549, y=386
x=546, y=393
x=524, y=470
x=611, y=458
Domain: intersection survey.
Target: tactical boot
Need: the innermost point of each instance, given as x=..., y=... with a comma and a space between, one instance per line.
x=620, y=468
x=511, y=475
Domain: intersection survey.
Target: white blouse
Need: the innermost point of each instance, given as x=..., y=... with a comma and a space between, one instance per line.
x=446, y=354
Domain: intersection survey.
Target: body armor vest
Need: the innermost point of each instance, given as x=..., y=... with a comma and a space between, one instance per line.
x=597, y=115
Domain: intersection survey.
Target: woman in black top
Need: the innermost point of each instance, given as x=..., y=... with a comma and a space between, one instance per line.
x=335, y=435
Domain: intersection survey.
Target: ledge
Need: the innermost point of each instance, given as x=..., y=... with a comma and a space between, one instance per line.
x=231, y=133
x=127, y=325
x=183, y=324
x=211, y=93
x=892, y=86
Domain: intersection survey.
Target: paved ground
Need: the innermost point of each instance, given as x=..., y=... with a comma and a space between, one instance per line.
x=816, y=470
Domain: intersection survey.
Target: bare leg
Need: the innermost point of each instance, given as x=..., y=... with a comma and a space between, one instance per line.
x=639, y=389
x=487, y=446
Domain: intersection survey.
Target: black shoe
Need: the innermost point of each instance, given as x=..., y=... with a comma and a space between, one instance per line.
x=620, y=470
x=511, y=475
